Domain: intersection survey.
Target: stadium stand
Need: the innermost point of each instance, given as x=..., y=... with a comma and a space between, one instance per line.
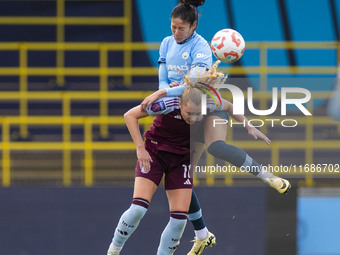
x=70, y=70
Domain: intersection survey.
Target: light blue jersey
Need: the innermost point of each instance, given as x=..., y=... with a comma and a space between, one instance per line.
x=194, y=52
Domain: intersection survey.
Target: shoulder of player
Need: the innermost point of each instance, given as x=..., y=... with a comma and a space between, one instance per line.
x=200, y=44
x=167, y=39
x=170, y=101
x=200, y=40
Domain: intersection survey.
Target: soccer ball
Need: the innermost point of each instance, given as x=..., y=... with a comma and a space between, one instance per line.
x=228, y=45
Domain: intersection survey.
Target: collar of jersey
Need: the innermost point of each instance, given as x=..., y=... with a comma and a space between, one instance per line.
x=187, y=40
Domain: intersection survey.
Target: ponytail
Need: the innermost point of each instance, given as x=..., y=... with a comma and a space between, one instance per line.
x=187, y=10
x=204, y=83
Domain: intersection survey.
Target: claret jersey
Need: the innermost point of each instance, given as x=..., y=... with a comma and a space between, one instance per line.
x=169, y=132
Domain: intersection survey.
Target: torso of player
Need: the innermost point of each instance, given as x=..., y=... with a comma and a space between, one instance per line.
x=183, y=56
x=178, y=57
x=169, y=133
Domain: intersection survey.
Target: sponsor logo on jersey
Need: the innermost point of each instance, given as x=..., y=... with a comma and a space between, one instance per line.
x=201, y=55
x=184, y=68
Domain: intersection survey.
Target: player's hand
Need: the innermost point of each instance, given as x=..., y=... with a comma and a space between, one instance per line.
x=144, y=158
x=147, y=102
x=174, y=84
x=255, y=133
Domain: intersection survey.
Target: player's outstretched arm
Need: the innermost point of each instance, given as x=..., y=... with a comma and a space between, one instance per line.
x=131, y=119
x=252, y=131
x=255, y=133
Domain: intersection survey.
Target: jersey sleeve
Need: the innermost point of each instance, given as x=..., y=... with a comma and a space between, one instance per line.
x=164, y=105
x=201, y=55
x=175, y=91
x=162, y=51
x=163, y=77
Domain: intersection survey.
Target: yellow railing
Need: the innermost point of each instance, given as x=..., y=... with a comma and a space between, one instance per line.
x=88, y=145
x=103, y=71
x=127, y=71
x=23, y=71
x=60, y=21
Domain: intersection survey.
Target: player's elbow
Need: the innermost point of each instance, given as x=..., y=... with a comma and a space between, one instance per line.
x=134, y=113
x=127, y=115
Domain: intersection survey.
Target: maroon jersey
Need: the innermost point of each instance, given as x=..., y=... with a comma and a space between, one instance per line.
x=169, y=132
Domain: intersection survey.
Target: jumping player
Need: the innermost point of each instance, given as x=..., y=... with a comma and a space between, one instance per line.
x=166, y=151
x=186, y=50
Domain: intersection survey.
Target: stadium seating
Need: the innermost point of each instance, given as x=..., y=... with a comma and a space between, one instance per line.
x=71, y=69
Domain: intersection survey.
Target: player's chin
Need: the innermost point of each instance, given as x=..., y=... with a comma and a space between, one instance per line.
x=179, y=40
x=190, y=122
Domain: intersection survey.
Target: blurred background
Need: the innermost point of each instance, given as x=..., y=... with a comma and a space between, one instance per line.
x=69, y=70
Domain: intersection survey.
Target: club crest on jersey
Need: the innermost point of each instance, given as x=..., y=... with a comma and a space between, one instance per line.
x=185, y=55
x=158, y=106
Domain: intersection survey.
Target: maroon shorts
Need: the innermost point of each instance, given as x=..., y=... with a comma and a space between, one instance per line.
x=175, y=167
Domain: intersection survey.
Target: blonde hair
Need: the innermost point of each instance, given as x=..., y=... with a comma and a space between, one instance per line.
x=191, y=94
x=210, y=77
x=196, y=86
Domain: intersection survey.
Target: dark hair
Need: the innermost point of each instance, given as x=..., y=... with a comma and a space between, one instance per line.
x=187, y=10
